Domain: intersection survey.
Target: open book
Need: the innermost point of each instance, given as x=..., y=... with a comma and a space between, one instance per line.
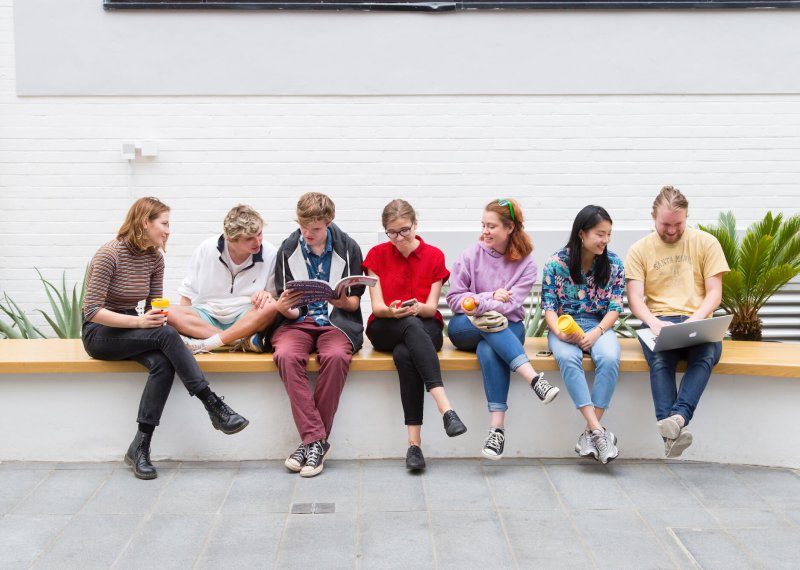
x=318, y=290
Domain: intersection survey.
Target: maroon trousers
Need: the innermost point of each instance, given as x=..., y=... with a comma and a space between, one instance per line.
x=313, y=411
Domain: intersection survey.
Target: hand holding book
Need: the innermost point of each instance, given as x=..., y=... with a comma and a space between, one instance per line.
x=313, y=290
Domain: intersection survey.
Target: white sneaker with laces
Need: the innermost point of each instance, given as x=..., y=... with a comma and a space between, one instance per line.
x=195, y=345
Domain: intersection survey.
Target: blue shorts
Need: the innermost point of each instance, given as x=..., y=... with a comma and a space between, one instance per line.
x=215, y=323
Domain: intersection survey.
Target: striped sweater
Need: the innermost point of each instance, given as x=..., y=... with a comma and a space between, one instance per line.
x=120, y=276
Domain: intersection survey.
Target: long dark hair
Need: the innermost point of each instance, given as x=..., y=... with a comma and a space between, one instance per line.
x=586, y=219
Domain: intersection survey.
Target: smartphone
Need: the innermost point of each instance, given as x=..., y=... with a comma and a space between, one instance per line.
x=544, y=353
x=408, y=303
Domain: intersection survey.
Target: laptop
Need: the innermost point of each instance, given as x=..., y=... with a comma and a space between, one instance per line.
x=681, y=335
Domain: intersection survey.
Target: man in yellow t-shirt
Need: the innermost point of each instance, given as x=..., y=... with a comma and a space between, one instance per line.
x=675, y=275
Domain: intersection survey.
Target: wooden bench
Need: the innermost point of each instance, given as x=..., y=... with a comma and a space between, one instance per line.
x=57, y=356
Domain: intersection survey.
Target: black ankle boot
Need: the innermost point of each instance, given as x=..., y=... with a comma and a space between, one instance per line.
x=222, y=416
x=138, y=456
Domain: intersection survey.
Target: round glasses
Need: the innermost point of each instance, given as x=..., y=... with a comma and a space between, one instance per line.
x=403, y=232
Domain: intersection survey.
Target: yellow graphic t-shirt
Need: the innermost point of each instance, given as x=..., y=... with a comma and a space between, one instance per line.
x=674, y=274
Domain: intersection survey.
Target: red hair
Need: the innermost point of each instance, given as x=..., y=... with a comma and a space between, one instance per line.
x=519, y=243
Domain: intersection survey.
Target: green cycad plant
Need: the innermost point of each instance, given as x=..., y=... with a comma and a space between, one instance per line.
x=67, y=317
x=767, y=257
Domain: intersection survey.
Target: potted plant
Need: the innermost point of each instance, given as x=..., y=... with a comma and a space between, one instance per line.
x=766, y=258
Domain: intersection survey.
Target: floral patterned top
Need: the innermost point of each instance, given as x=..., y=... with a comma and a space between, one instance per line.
x=562, y=295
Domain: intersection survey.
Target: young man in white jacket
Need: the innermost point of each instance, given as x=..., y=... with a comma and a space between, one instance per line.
x=229, y=294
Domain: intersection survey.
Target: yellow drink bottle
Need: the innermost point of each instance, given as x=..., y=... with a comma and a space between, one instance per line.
x=567, y=325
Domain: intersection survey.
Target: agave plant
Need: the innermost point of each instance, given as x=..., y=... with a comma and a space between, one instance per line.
x=67, y=317
x=20, y=326
x=66, y=320
x=767, y=257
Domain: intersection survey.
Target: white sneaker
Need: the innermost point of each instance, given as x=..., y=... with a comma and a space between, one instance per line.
x=195, y=345
x=545, y=391
x=675, y=447
x=494, y=445
x=605, y=442
x=670, y=427
x=585, y=447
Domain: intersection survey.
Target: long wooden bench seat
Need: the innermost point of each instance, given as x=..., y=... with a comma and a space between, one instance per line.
x=54, y=356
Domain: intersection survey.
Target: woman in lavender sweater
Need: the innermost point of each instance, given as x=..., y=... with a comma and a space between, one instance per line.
x=497, y=273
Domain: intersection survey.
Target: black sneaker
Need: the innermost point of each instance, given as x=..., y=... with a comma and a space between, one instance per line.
x=315, y=457
x=543, y=389
x=453, y=424
x=222, y=416
x=297, y=459
x=494, y=444
x=414, y=458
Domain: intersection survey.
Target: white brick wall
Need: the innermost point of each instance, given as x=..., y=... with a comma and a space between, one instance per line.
x=64, y=187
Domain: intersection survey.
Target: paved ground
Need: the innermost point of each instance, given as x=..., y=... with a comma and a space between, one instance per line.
x=459, y=514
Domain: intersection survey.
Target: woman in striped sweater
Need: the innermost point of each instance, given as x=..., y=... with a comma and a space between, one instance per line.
x=124, y=274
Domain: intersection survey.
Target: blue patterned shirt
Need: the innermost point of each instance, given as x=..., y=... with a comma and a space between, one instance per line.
x=319, y=267
x=562, y=295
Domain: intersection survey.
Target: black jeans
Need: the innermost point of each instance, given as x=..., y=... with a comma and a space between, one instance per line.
x=160, y=350
x=413, y=342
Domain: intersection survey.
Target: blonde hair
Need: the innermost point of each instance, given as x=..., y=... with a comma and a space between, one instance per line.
x=242, y=220
x=132, y=229
x=315, y=207
x=520, y=245
x=397, y=209
x=671, y=198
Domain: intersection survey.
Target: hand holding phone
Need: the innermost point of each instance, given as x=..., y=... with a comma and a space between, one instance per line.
x=408, y=303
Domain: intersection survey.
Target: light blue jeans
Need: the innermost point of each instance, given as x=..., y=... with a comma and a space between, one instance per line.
x=499, y=353
x=604, y=353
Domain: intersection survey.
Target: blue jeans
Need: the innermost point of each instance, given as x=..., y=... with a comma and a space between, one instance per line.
x=604, y=353
x=701, y=359
x=498, y=354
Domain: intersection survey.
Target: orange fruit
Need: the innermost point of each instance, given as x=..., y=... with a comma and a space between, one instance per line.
x=469, y=304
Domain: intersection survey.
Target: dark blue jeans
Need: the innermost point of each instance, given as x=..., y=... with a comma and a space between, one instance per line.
x=700, y=361
x=160, y=350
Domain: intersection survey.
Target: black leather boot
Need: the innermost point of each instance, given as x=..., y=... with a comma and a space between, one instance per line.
x=138, y=456
x=222, y=416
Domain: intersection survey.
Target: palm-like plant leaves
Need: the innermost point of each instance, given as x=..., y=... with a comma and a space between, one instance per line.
x=24, y=328
x=765, y=260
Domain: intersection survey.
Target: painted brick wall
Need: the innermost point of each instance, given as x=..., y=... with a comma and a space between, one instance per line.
x=64, y=187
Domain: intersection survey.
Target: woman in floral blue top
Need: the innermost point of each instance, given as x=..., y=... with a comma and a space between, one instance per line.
x=588, y=286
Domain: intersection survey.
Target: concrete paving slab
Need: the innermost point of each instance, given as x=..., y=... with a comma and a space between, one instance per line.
x=653, y=485
x=260, y=491
x=394, y=540
x=175, y=541
x=523, y=488
x=64, y=492
x=122, y=493
x=195, y=491
x=457, y=485
x=714, y=549
x=663, y=522
x=90, y=541
x=546, y=539
x=588, y=486
x=771, y=548
x=717, y=485
x=318, y=541
x=470, y=539
x=620, y=539
x=779, y=487
x=243, y=541
x=24, y=538
x=388, y=486
x=338, y=483
x=16, y=484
